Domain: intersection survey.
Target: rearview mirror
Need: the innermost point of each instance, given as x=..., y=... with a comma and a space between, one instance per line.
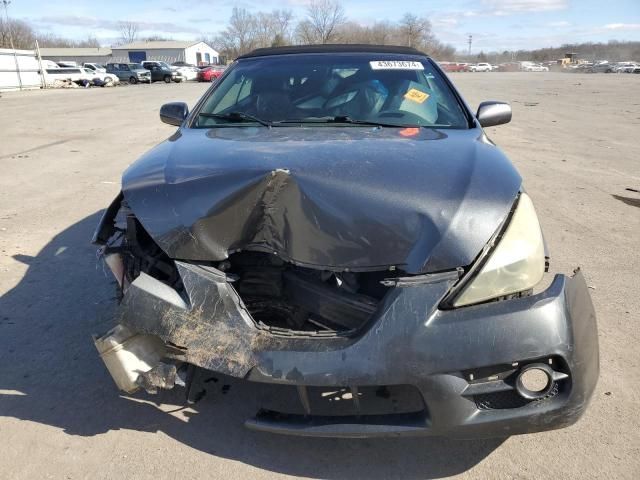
x=174, y=113
x=493, y=113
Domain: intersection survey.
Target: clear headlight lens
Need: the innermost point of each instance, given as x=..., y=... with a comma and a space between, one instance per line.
x=516, y=264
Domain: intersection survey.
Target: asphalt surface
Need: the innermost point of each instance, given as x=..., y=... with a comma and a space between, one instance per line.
x=575, y=140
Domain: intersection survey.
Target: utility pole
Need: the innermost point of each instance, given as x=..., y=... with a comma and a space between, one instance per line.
x=469, y=41
x=15, y=55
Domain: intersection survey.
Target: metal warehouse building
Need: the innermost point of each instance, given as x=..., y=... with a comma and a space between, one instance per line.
x=196, y=53
x=78, y=55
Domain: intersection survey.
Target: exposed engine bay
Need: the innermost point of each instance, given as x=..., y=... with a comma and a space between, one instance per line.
x=279, y=296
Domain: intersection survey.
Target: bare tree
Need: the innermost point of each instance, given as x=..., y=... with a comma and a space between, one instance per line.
x=265, y=29
x=241, y=30
x=22, y=33
x=51, y=40
x=324, y=18
x=414, y=31
x=128, y=32
x=382, y=33
x=282, y=23
x=305, y=33
x=157, y=38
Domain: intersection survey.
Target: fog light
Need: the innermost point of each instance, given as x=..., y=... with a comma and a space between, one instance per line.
x=535, y=381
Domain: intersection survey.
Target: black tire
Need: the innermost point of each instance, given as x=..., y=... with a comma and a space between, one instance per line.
x=167, y=79
x=133, y=80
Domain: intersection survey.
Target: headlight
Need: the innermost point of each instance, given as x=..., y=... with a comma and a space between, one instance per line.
x=517, y=262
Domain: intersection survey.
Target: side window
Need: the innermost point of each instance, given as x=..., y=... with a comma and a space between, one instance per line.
x=124, y=67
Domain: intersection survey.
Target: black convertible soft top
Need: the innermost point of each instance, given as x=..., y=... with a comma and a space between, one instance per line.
x=333, y=48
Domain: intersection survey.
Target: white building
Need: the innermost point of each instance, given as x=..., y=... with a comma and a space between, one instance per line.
x=197, y=53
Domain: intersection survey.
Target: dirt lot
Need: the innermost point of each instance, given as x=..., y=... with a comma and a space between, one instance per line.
x=575, y=140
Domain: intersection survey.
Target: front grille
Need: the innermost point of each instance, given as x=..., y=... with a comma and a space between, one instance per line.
x=509, y=399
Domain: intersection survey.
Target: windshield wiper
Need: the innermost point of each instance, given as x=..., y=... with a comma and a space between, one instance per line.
x=236, y=117
x=346, y=119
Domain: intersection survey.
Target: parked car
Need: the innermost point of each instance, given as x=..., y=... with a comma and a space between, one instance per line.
x=129, y=72
x=602, y=67
x=101, y=77
x=626, y=67
x=53, y=72
x=479, y=67
x=209, y=74
x=453, y=66
x=96, y=67
x=332, y=221
x=534, y=67
x=509, y=67
x=187, y=72
x=161, y=72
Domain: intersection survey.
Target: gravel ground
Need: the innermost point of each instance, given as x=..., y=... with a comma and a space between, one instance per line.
x=575, y=140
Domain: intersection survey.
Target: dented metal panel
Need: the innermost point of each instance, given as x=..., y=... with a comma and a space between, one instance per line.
x=327, y=197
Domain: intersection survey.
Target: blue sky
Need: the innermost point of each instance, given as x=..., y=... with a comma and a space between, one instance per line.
x=494, y=24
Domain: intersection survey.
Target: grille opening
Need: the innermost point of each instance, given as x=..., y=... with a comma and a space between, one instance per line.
x=341, y=400
x=282, y=296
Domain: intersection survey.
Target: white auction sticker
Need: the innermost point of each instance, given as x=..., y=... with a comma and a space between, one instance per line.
x=395, y=65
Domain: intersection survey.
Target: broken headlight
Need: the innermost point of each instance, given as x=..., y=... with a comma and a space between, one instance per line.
x=516, y=264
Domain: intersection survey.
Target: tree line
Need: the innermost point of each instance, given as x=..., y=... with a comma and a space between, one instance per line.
x=324, y=22
x=613, y=51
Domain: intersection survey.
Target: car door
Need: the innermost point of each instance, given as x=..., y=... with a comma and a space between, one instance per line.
x=125, y=72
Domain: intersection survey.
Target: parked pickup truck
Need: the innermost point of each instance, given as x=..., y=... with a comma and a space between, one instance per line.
x=162, y=72
x=129, y=72
x=96, y=67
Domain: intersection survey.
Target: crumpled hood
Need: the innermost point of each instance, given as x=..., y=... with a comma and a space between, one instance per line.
x=328, y=197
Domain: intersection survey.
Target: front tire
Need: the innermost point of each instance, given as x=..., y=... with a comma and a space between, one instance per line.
x=133, y=80
x=167, y=79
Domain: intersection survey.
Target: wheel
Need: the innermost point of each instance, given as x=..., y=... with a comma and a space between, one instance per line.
x=133, y=80
x=167, y=79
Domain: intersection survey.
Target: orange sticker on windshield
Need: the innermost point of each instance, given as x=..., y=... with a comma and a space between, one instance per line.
x=416, y=96
x=409, y=132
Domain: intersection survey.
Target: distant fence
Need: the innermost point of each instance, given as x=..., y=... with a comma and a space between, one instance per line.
x=19, y=69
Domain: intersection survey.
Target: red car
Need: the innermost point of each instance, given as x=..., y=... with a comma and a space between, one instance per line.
x=209, y=74
x=453, y=67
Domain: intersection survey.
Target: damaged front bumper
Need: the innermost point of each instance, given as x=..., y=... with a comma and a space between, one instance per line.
x=461, y=365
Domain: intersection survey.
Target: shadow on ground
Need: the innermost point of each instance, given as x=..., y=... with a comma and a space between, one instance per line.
x=47, y=355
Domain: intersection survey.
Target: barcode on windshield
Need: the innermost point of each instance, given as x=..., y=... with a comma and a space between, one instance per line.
x=395, y=65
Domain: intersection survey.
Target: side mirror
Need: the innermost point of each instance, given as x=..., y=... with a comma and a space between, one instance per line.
x=174, y=113
x=493, y=113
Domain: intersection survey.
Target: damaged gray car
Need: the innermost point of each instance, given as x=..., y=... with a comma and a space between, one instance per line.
x=333, y=223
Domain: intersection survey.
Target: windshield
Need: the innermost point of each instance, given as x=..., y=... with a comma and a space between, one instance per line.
x=387, y=89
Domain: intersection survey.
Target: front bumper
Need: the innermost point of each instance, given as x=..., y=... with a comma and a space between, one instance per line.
x=448, y=356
